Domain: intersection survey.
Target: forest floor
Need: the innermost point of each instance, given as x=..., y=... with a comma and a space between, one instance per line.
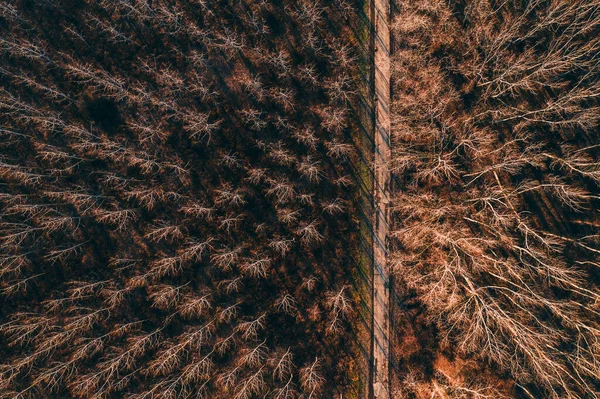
x=381, y=199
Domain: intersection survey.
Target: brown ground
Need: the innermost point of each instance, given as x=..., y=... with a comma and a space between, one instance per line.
x=381, y=295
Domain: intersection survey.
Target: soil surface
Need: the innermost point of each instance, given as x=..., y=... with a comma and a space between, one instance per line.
x=381, y=294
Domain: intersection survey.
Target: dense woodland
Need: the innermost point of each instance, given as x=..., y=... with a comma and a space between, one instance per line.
x=177, y=199
x=496, y=238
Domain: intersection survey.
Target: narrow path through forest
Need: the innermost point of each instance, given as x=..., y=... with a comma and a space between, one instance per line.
x=380, y=14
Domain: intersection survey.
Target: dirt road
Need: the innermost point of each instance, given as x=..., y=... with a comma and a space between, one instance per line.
x=381, y=295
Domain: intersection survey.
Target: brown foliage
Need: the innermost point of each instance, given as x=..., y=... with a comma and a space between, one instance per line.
x=494, y=125
x=171, y=173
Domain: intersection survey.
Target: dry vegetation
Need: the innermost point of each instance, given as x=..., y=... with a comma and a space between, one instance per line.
x=497, y=174
x=178, y=208
x=175, y=181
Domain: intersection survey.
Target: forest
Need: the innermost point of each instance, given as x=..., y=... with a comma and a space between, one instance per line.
x=299, y=199
x=495, y=239
x=174, y=180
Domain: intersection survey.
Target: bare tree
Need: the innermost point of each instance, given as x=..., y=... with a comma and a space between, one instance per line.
x=340, y=307
x=256, y=267
x=286, y=304
x=309, y=233
x=311, y=379
x=250, y=329
x=226, y=258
